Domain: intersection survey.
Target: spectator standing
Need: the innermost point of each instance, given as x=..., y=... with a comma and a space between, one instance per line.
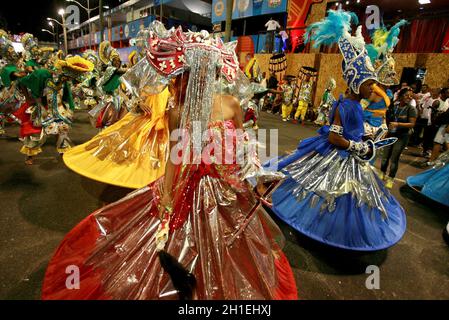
x=264, y=82
x=423, y=98
x=272, y=87
x=401, y=118
x=272, y=26
x=284, y=36
x=441, y=120
x=430, y=107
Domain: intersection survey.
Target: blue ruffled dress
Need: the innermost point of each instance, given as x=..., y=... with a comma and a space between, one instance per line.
x=332, y=197
x=434, y=183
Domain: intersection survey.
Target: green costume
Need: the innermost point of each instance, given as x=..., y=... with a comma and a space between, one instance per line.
x=6, y=74
x=112, y=84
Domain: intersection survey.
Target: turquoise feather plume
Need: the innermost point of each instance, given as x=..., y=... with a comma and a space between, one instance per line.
x=393, y=35
x=331, y=29
x=384, y=40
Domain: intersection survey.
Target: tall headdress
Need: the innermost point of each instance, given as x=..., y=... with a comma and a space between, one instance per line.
x=171, y=52
x=74, y=67
x=46, y=54
x=336, y=28
x=30, y=45
x=7, y=51
x=383, y=43
x=107, y=53
x=92, y=56
x=141, y=42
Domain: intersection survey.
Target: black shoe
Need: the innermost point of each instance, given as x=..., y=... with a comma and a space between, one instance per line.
x=183, y=281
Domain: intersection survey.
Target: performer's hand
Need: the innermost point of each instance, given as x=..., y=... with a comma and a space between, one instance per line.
x=166, y=204
x=393, y=125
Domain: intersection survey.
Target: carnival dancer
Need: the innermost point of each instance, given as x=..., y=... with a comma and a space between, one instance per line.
x=10, y=96
x=332, y=194
x=32, y=53
x=287, y=92
x=304, y=99
x=110, y=109
x=86, y=92
x=383, y=43
x=326, y=103
x=49, y=106
x=201, y=220
x=131, y=153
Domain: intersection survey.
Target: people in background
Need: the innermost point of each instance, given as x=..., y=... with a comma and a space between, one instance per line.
x=304, y=99
x=264, y=81
x=423, y=97
x=287, y=98
x=272, y=87
x=403, y=85
x=401, y=118
x=441, y=120
x=284, y=37
x=429, y=108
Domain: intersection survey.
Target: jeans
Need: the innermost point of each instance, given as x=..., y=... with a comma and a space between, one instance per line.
x=391, y=155
x=416, y=137
x=269, y=44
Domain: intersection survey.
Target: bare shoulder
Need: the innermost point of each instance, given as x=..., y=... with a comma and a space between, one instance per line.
x=231, y=100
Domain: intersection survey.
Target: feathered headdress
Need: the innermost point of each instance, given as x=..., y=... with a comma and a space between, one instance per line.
x=383, y=43
x=91, y=56
x=336, y=28
x=74, y=67
x=28, y=41
x=7, y=51
x=107, y=53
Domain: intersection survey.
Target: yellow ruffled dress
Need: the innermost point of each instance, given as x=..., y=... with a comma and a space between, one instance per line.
x=131, y=153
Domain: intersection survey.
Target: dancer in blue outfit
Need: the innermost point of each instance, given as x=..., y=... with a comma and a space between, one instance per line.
x=379, y=51
x=331, y=193
x=434, y=183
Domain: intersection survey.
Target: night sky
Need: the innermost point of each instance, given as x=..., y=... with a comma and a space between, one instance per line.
x=19, y=16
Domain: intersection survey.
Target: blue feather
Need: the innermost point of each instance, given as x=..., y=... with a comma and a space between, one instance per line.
x=392, y=38
x=331, y=29
x=373, y=53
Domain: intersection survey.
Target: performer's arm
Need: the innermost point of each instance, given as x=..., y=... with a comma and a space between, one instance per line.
x=167, y=195
x=238, y=114
x=336, y=137
x=336, y=133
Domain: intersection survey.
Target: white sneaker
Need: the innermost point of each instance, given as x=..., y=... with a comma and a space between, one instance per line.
x=284, y=119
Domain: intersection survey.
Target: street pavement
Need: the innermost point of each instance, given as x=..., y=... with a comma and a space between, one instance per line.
x=41, y=203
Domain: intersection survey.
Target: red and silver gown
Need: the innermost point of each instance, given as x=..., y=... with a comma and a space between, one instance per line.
x=215, y=233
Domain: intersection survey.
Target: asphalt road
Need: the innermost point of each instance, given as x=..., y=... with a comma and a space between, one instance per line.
x=41, y=203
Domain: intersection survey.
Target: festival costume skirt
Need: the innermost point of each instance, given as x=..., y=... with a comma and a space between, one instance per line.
x=131, y=153
x=434, y=183
x=333, y=198
x=218, y=231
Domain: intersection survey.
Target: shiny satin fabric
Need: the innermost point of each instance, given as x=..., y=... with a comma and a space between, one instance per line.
x=434, y=183
x=131, y=153
x=218, y=232
x=334, y=198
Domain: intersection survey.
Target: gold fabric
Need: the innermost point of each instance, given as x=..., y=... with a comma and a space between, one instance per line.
x=131, y=153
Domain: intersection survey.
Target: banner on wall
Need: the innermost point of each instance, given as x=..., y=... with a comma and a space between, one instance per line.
x=297, y=16
x=247, y=8
x=298, y=11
